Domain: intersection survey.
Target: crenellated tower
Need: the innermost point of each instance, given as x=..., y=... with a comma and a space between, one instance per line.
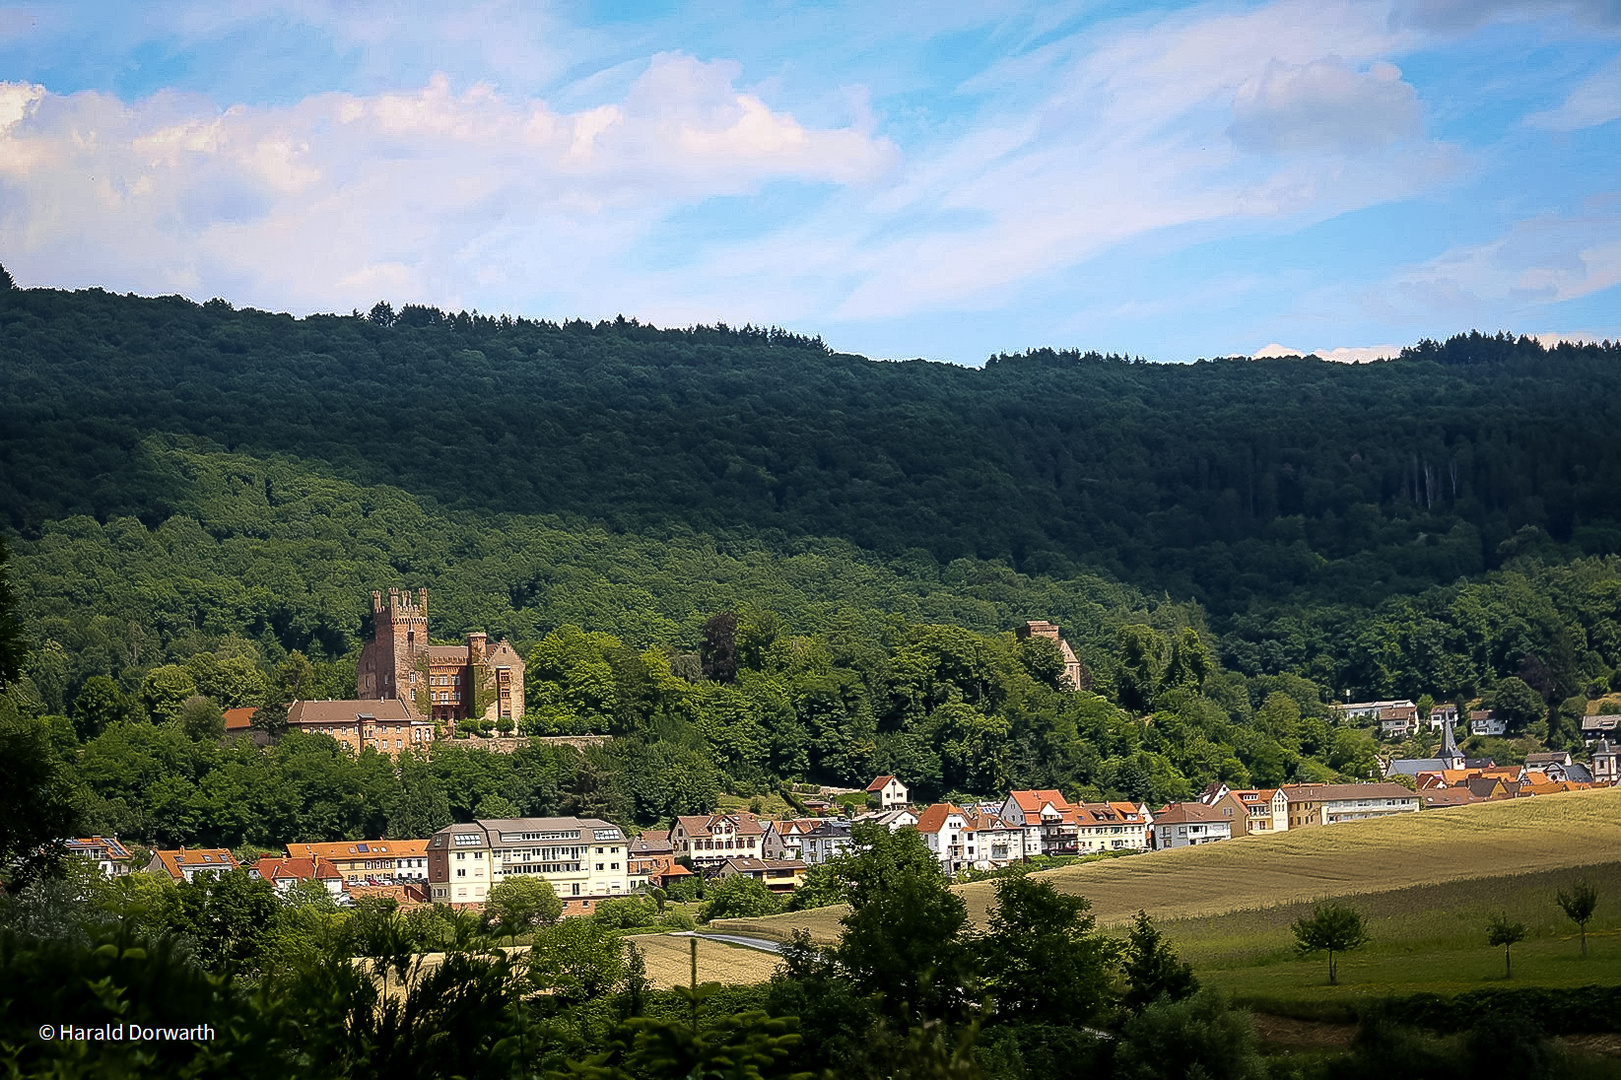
x=394, y=661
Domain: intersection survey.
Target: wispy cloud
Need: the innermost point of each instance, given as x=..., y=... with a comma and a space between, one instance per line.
x=1595, y=100
x=339, y=195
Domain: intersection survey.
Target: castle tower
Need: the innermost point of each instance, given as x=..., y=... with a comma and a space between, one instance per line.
x=394, y=661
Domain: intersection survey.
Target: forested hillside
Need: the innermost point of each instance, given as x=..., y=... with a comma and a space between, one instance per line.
x=202, y=500
x=1234, y=483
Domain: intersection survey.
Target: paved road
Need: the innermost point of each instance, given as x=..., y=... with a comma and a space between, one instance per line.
x=734, y=939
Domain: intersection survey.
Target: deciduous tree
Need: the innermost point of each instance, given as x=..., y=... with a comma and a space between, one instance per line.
x=1332, y=928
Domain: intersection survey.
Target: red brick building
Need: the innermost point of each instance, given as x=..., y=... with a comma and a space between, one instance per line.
x=445, y=682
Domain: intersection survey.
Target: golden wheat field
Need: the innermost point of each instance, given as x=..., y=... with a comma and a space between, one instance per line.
x=669, y=961
x=1519, y=836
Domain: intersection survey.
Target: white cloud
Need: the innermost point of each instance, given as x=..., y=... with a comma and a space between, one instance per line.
x=1324, y=106
x=338, y=199
x=1596, y=100
x=1356, y=354
x=1539, y=261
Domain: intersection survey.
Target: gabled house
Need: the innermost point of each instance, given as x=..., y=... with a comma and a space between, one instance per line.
x=710, y=839
x=1331, y=804
x=1189, y=824
x=1606, y=727
x=1445, y=713
x=651, y=856
x=1047, y=818
x=1486, y=722
x=1558, y=765
x=778, y=875
x=1371, y=710
x=186, y=865
x=991, y=842
x=827, y=840
x=1253, y=810
x=943, y=827
x=1111, y=826
x=283, y=874
x=893, y=820
x=370, y=862
x=887, y=793
x=110, y=857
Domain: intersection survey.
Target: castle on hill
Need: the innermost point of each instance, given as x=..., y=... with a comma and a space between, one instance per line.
x=445, y=682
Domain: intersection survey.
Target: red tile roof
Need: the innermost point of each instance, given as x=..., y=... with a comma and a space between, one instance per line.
x=934, y=818
x=880, y=783
x=239, y=719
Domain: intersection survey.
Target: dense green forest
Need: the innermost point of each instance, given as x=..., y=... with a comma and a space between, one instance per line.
x=1234, y=483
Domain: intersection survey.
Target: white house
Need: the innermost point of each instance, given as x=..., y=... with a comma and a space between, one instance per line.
x=991, y=842
x=1047, y=818
x=1111, y=826
x=1445, y=713
x=1189, y=824
x=112, y=859
x=888, y=792
x=827, y=840
x=185, y=865
x=1371, y=710
x=944, y=828
x=1486, y=722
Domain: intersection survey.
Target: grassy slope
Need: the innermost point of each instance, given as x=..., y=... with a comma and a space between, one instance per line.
x=1525, y=836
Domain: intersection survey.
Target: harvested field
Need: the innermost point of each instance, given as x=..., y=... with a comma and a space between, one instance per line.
x=669, y=961
x=1515, y=837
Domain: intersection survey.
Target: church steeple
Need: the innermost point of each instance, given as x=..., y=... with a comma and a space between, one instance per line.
x=1450, y=754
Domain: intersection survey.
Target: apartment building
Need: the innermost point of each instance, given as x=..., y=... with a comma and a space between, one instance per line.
x=585, y=859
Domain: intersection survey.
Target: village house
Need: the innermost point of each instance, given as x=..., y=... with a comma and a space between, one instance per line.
x=1111, y=826
x=781, y=876
x=1374, y=710
x=827, y=840
x=991, y=842
x=1596, y=727
x=893, y=820
x=1047, y=818
x=1189, y=824
x=1330, y=804
x=375, y=862
x=1074, y=676
x=651, y=856
x=1558, y=765
x=942, y=827
x=1486, y=722
x=1444, y=713
x=1263, y=811
x=585, y=859
x=111, y=858
x=283, y=874
x=185, y=865
x=887, y=793
x=1398, y=722
x=708, y=840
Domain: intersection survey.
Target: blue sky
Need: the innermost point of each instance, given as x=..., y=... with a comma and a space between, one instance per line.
x=931, y=179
